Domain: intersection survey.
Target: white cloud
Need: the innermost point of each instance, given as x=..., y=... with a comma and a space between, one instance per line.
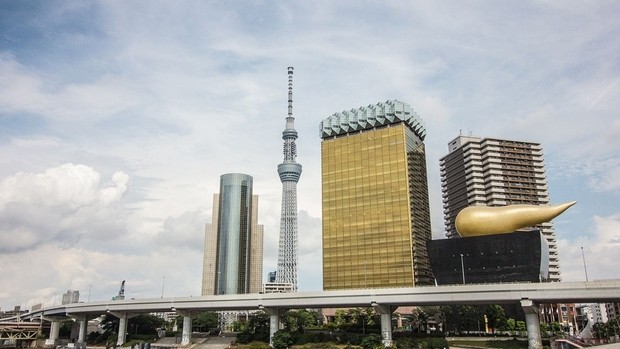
x=60, y=205
x=161, y=99
x=185, y=231
x=23, y=89
x=600, y=256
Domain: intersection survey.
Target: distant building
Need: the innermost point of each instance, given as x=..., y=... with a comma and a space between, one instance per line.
x=613, y=310
x=376, y=217
x=233, y=254
x=588, y=315
x=271, y=277
x=495, y=172
x=17, y=311
x=277, y=287
x=70, y=297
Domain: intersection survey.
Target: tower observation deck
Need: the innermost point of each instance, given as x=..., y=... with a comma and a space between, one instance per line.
x=289, y=172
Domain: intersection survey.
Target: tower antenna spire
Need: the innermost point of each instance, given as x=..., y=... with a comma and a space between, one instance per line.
x=289, y=172
x=290, y=92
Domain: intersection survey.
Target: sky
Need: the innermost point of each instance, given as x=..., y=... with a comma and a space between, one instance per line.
x=117, y=119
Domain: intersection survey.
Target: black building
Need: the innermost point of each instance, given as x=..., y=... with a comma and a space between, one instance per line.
x=513, y=257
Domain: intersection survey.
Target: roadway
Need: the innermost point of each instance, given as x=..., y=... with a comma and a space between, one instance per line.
x=384, y=301
x=601, y=291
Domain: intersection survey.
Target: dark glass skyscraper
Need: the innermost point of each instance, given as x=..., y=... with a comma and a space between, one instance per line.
x=234, y=240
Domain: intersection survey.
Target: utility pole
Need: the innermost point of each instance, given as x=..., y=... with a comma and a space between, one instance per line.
x=463, y=269
x=163, y=281
x=584, y=263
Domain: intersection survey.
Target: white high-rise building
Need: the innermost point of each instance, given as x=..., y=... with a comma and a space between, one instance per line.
x=289, y=171
x=495, y=172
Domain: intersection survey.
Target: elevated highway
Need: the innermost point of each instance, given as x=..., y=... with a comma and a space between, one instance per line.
x=384, y=301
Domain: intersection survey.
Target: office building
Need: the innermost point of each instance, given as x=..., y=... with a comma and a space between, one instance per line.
x=495, y=172
x=289, y=171
x=70, y=296
x=375, y=198
x=613, y=310
x=233, y=254
x=271, y=276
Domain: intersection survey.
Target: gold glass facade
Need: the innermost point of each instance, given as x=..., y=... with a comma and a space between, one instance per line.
x=375, y=209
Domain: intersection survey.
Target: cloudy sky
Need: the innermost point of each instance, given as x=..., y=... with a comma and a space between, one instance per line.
x=117, y=119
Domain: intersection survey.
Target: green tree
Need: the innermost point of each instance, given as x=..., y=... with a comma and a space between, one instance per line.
x=433, y=315
x=511, y=325
x=145, y=324
x=419, y=318
x=65, y=329
x=109, y=324
x=259, y=326
x=449, y=317
x=293, y=322
x=544, y=328
x=340, y=318
x=521, y=326
x=205, y=321
x=310, y=318
x=495, y=317
x=614, y=324
x=282, y=340
x=555, y=327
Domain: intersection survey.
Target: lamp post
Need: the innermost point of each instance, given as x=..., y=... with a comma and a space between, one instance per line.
x=365, y=274
x=463, y=269
x=89, y=288
x=583, y=256
x=163, y=281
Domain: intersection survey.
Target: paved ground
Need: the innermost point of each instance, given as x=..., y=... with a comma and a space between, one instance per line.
x=215, y=343
x=609, y=346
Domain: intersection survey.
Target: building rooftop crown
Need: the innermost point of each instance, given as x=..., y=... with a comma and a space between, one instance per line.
x=364, y=118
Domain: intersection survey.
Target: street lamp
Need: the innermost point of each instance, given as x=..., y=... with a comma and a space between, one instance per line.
x=463, y=269
x=163, y=281
x=89, y=288
x=584, y=263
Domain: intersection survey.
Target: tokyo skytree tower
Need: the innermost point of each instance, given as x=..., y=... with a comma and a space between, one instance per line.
x=289, y=172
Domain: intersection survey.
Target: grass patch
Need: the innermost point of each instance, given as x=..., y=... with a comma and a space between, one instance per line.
x=491, y=344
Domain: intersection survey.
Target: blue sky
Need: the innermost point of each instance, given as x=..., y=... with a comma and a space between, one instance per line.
x=117, y=119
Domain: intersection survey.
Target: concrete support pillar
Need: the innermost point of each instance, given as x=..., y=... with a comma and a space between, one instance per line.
x=274, y=322
x=122, y=329
x=83, y=329
x=122, y=325
x=385, y=311
x=54, y=331
x=532, y=324
x=187, y=330
x=274, y=326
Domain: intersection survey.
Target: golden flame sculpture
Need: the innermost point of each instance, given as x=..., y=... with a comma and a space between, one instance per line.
x=486, y=220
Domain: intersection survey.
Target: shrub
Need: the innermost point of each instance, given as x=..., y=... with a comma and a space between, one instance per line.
x=259, y=345
x=372, y=341
x=245, y=337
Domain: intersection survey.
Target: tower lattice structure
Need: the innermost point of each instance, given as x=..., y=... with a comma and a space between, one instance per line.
x=289, y=171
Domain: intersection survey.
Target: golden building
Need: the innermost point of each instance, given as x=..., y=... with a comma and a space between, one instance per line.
x=376, y=217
